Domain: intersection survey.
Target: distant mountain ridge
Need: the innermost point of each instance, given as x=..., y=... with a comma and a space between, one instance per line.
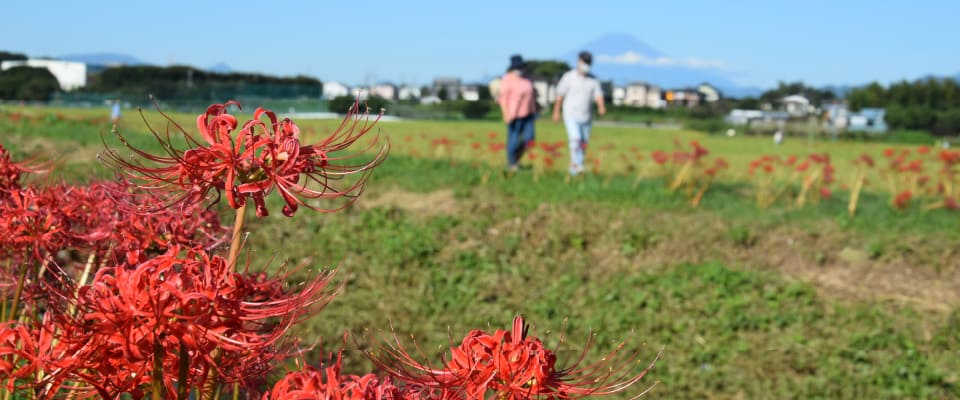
x=104, y=59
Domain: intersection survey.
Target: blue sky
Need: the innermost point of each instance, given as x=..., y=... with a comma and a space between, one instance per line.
x=757, y=42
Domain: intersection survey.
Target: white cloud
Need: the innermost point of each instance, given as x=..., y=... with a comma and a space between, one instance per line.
x=634, y=58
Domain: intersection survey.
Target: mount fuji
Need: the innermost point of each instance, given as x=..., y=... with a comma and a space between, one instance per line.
x=624, y=58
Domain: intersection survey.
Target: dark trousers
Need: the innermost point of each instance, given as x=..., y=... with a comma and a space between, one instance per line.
x=519, y=133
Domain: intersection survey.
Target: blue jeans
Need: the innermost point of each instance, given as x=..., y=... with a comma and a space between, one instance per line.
x=519, y=133
x=579, y=135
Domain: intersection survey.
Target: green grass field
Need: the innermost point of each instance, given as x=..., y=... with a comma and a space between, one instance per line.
x=748, y=303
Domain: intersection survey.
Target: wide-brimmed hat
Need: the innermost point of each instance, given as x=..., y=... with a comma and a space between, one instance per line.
x=516, y=62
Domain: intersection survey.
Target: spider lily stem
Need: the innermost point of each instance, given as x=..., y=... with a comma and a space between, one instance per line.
x=237, y=234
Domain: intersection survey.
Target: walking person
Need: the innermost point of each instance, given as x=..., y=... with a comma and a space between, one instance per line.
x=577, y=91
x=518, y=105
x=115, y=112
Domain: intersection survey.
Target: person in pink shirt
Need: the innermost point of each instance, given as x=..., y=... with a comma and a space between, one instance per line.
x=518, y=105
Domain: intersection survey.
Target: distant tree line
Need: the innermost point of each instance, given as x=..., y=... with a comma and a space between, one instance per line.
x=184, y=82
x=931, y=104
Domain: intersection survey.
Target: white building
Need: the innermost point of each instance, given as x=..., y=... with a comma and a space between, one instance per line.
x=408, y=92
x=796, y=105
x=470, y=92
x=642, y=94
x=335, y=89
x=546, y=92
x=449, y=86
x=385, y=90
x=745, y=117
x=619, y=93
x=708, y=93
x=71, y=75
x=360, y=93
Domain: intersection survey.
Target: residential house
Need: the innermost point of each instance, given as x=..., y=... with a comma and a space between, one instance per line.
x=470, y=92
x=868, y=120
x=708, y=93
x=619, y=94
x=797, y=105
x=746, y=117
x=360, y=93
x=408, y=92
x=837, y=116
x=385, y=90
x=682, y=97
x=70, y=75
x=449, y=86
x=334, y=89
x=642, y=94
x=546, y=92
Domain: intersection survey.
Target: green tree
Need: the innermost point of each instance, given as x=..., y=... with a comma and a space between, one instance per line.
x=484, y=92
x=549, y=70
x=28, y=83
x=8, y=56
x=783, y=89
x=476, y=109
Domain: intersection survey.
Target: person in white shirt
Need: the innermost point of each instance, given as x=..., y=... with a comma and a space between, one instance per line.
x=576, y=92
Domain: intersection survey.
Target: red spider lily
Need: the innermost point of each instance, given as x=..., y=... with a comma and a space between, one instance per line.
x=552, y=149
x=442, y=142
x=475, y=146
x=497, y=147
x=329, y=383
x=190, y=313
x=548, y=162
x=923, y=150
x=951, y=203
x=512, y=365
x=27, y=350
x=950, y=157
x=866, y=160
x=888, y=152
x=32, y=221
x=659, y=157
x=251, y=163
x=492, y=135
x=903, y=199
x=698, y=150
x=10, y=171
x=721, y=163
x=913, y=166
x=85, y=218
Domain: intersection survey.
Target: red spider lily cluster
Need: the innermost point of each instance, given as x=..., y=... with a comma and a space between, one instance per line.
x=119, y=289
x=688, y=169
x=776, y=177
x=907, y=177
